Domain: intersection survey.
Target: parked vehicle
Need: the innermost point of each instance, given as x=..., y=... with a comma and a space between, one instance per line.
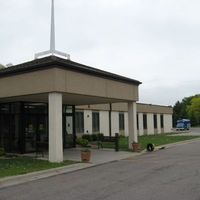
x=183, y=124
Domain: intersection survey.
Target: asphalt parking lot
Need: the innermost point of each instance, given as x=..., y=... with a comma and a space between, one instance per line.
x=192, y=131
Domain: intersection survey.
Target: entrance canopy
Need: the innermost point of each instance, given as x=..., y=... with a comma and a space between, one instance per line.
x=59, y=82
x=79, y=84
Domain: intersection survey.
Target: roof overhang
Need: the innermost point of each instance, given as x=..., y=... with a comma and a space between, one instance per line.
x=78, y=83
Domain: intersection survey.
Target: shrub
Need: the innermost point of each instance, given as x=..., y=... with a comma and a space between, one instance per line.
x=87, y=137
x=82, y=142
x=100, y=136
x=2, y=152
x=94, y=137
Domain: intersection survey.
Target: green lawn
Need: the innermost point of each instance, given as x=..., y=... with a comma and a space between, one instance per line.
x=163, y=139
x=157, y=140
x=23, y=165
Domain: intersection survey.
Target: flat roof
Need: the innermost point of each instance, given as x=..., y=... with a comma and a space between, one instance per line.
x=54, y=61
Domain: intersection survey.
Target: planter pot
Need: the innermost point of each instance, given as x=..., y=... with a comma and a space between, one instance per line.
x=85, y=156
x=136, y=147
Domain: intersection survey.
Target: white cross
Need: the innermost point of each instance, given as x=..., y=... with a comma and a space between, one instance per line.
x=52, y=50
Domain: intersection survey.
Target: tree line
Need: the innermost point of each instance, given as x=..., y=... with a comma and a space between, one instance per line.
x=188, y=108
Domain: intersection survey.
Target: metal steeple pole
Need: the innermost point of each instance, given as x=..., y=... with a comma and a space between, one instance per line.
x=52, y=50
x=52, y=36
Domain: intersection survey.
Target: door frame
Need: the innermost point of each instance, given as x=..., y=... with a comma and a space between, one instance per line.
x=73, y=126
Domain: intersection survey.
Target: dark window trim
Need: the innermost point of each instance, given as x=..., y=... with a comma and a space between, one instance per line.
x=121, y=121
x=155, y=121
x=145, y=121
x=95, y=122
x=79, y=115
x=162, y=121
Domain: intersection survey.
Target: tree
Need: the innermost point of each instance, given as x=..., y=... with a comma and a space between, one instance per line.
x=177, y=112
x=187, y=108
x=193, y=110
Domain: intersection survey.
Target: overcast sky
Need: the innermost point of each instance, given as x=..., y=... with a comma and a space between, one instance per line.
x=154, y=41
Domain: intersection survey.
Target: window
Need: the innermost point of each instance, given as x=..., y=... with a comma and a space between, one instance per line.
x=95, y=122
x=35, y=108
x=121, y=121
x=144, y=121
x=161, y=121
x=155, y=121
x=67, y=109
x=5, y=108
x=79, y=117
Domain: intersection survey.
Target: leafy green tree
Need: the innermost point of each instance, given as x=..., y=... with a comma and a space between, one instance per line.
x=193, y=110
x=177, y=112
x=182, y=110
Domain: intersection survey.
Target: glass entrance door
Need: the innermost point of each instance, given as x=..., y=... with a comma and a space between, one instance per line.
x=36, y=132
x=69, y=135
x=30, y=125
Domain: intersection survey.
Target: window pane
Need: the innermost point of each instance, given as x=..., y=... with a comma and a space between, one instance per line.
x=35, y=108
x=161, y=121
x=144, y=121
x=4, y=108
x=67, y=109
x=95, y=122
x=79, y=122
x=121, y=121
x=155, y=121
x=137, y=122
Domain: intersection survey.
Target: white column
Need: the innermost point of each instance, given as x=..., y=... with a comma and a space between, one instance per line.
x=114, y=122
x=132, y=123
x=104, y=122
x=126, y=123
x=150, y=125
x=140, y=118
x=167, y=123
x=55, y=127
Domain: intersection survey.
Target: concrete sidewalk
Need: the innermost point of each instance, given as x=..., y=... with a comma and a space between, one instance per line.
x=99, y=157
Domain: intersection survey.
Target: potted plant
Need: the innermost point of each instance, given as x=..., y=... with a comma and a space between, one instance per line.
x=136, y=146
x=85, y=155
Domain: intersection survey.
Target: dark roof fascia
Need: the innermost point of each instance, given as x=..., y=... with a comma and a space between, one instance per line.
x=146, y=104
x=53, y=61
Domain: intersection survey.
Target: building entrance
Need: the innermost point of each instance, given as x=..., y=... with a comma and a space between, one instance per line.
x=69, y=135
x=24, y=127
x=35, y=132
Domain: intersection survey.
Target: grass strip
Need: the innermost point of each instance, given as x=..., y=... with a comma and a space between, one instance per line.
x=157, y=140
x=24, y=165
